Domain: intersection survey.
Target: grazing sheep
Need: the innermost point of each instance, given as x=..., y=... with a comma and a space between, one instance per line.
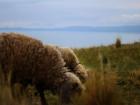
x=73, y=64
x=71, y=86
x=31, y=63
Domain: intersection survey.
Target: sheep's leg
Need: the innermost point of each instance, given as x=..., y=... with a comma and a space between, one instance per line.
x=17, y=91
x=18, y=88
x=42, y=96
x=13, y=86
x=43, y=100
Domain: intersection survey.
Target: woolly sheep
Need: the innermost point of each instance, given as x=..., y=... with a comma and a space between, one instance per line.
x=31, y=63
x=70, y=87
x=72, y=63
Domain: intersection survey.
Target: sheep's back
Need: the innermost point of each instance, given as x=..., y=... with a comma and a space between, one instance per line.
x=52, y=69
x=19, y=54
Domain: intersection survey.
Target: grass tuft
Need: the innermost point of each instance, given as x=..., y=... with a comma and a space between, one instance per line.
x=101, y=89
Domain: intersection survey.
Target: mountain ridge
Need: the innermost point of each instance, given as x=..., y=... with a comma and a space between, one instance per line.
x=134, y=28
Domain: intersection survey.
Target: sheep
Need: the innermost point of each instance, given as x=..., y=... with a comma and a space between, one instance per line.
x=72, y=63
x=71, y=86
x=30, y=62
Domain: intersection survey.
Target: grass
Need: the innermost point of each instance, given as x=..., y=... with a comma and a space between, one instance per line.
x=114, y=78
x=131, y=87
x=27, y=98
x=6, y=97
x=101, y=89
x=123, y=59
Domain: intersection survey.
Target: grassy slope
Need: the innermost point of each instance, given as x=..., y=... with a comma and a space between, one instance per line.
x=101, y=88
x=125, y=60
x=127, y=57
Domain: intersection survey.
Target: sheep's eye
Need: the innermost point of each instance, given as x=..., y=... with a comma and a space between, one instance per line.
x=75, y=85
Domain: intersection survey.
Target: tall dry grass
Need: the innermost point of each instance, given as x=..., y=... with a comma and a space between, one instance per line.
x=6, y=97
x=28, y=97
x=101, y=89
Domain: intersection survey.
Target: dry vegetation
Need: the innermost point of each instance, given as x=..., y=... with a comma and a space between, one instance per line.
x=6, y=97
x=101, y=89
x=113, y=80
x=124, y=60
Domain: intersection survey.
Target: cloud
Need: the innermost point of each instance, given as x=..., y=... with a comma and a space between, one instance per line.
x=15, y=24
x=60, y=13
x=134, y=5
x=131, y=16
x=125, y=19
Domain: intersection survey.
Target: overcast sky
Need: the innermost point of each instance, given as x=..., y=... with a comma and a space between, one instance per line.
x=62, y=13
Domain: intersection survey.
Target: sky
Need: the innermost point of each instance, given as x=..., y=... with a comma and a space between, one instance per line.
x=65, y=13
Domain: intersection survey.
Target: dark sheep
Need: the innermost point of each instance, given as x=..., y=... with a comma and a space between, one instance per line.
x=31, y=63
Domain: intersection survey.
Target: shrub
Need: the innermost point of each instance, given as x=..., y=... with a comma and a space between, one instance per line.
x=118, y=43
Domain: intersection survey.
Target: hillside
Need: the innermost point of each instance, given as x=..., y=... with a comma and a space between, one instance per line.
x=127, y=57
x=102, y=88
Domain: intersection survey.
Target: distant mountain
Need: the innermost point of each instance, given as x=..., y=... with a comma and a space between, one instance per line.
x=130, y=28
x=103, y=29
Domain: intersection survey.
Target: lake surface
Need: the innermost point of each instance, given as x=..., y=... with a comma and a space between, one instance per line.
x=77, y=39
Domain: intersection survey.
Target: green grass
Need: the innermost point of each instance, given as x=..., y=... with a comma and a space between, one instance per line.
x=114, y=78
x=123, y=59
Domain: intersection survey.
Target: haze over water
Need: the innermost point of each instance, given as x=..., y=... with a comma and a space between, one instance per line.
x=32, y=14
x=77, y=39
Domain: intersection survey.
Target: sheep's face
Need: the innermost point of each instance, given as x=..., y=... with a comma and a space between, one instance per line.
x=70, y=87
x=81, y=72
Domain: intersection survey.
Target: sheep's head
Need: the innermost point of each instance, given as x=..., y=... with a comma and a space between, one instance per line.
x=72, y=63
x=69, y=57
x=70, y=87
x=81, y=72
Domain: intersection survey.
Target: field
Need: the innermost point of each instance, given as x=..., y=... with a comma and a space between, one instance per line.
x=114, y=78
x=124, y=61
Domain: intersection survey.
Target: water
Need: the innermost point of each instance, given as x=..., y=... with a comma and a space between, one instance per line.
x=78, y=39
